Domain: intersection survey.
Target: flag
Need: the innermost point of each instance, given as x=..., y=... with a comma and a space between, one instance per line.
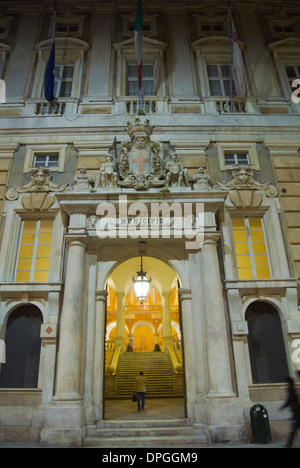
x=238, y=65
x=138, y=39
x=50, y=68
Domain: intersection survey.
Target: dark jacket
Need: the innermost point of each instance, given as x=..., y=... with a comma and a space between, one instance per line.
x=293, y=402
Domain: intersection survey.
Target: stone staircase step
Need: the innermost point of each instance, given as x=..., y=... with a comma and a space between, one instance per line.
x=145, y=434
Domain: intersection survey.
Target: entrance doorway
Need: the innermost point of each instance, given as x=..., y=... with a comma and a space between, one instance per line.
x=144, y=337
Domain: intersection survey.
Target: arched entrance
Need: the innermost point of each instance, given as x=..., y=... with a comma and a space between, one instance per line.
x=23, y=347
x=266, y=344
x=143, y=336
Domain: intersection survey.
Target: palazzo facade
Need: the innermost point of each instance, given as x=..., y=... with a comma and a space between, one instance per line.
x=92, y=184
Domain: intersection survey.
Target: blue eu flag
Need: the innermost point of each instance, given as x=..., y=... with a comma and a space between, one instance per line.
x=50, y=75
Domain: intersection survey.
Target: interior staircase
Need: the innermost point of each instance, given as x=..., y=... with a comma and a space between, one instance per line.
x=158, y=370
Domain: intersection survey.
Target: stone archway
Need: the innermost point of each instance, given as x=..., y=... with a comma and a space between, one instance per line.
x=136, y=321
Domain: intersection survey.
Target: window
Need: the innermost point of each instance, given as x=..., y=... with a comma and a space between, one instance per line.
x=4, y=27
x=219, y=80
x=43, y=160
x=63, y=80
x=266, y=345
x=66, y=28
x=147, y=80
x=23, y=347
x=234, y=159
x=34, y=251
x=250, y=248
x=212, y=27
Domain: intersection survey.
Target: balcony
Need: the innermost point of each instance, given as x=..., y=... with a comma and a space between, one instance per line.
x=221, y=105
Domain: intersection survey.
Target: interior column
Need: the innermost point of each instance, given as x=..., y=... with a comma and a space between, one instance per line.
x=120, y=332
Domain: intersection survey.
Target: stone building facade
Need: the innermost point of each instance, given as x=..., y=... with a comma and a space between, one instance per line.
x=230, y=293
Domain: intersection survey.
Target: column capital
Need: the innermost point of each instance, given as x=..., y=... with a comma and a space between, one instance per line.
x=211, y=238
x=185, y=294
x=120, y=294
x=101, y=295
x=79, y=240
x=167, y=293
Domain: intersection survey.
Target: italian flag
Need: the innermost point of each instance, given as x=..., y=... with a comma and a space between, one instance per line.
x=138, y=39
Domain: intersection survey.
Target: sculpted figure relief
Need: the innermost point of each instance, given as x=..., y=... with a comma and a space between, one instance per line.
x=83, y=181
x=176, y=174
x=107, y=176
x=201, y=180
x=40, y=182
x=243, y=180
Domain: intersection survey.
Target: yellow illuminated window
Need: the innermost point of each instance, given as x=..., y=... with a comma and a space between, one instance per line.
x=250, y=248
x=34, y=251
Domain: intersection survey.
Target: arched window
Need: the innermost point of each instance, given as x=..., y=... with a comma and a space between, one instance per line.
x=23, y=346
x=266, y=345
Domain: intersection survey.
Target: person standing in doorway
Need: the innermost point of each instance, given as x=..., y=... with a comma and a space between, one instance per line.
x=140, y=389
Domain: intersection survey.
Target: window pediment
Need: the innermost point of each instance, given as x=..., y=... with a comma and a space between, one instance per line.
x=286, y=48
x=149, y=45
x=214, y=46
x=63, y=45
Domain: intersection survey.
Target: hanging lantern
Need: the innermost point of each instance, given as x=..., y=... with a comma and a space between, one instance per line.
x=141, y=284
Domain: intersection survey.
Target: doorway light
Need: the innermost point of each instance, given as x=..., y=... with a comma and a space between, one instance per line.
x=141, y=284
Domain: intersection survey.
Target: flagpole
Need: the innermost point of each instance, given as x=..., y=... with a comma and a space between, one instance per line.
x=141, y=100
x=230, y=56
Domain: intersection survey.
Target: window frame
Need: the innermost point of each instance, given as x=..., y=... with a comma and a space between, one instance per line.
x=34, y=252
x=68, y=51
x=252, y=255
x=221, y=80
x=134, y=79
x=224, y=148
x=60, y=79
x=32, y=150
x=153, y=53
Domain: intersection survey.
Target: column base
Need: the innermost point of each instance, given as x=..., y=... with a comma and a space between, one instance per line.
x=64, y=424
x=225, y=419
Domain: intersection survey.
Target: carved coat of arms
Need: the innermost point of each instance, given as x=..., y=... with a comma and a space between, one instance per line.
x=140, y=165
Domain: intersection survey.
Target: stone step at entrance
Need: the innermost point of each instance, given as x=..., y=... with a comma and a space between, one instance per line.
x=163, y=433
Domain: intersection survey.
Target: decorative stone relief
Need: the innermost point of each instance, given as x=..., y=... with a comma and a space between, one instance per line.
x=40, y=182
x=83, y=182
x=107, y=177
x=201, y=181
x=140, y=164
x=243, y=180
x=176, y=174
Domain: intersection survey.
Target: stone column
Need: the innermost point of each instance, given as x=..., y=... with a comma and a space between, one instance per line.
x=167, y=326
x=189, y=355
x=99, y=76
x=64, y=417
x=20, y=60
x=120, y=332
x=70, y=346
x=101, y=298
x=219, y=375
x=182, y=78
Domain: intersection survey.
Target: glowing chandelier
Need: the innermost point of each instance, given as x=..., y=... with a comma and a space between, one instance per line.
x=141, y=284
